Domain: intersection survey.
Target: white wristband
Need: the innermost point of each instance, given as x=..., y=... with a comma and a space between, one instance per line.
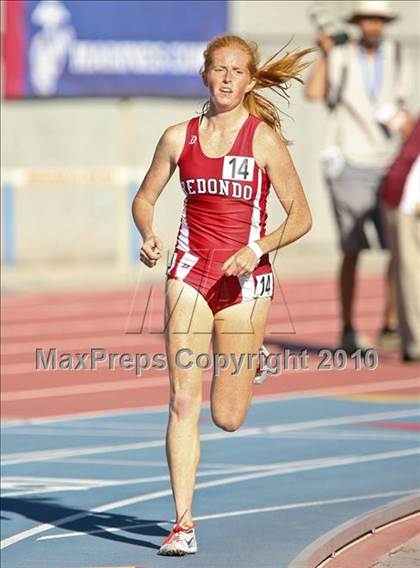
x=256, y=248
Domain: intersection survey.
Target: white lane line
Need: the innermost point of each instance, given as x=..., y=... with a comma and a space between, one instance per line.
x=306, y=309
x=145, y=382
x=322, y=435
x=310, y=504
x=159, y=380
x=73, y=390
x=61, y=310
x=338, y=435
x=118, y=463
x=47, y=455
x=114, y=424
x=242, y=512
x=136, y=433
x=218, y=482
x=47, y=485
x=109, y=342
x=86, y=415
x=381, y=386
x=57, y=311
x=57, y=485
x=54, y=484
x=14, y=480
x=257, y=399
x=139, y=433
x=115, y=340
x=153, y=463
x=297, y=290
x=352, y=419
x=24, y=329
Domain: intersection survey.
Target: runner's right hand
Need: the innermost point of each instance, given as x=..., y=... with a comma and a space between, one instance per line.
x=151, y=251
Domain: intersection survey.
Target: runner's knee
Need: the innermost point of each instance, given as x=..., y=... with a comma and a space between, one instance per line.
x=184, y=404
x=227, y=422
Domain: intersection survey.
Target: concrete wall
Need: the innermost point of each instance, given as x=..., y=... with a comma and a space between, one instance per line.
x=84, y=221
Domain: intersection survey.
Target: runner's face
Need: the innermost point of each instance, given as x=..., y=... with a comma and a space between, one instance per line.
x=228, y=77
x=372, y=30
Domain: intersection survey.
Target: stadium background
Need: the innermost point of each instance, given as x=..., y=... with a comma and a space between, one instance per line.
x=70, y=165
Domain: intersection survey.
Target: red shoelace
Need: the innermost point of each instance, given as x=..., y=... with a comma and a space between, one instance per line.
x=178, y=528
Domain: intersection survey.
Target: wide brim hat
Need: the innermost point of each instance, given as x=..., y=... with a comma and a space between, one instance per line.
x=376, y=8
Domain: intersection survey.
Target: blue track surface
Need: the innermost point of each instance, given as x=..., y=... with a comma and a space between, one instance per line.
x=296, y=469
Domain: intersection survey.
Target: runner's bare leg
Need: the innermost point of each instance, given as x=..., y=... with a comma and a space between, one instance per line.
x=188, y=324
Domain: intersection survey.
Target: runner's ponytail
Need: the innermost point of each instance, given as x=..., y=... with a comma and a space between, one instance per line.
x=275, y=74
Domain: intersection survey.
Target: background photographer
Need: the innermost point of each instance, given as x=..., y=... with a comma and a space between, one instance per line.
x=365, y=85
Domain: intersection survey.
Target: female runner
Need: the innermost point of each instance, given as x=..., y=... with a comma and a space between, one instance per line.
x=220, y=284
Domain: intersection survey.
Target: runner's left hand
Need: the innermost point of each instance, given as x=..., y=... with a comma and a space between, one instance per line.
x=241, y=263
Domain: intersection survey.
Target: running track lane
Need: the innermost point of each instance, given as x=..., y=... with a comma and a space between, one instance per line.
x=303, y=315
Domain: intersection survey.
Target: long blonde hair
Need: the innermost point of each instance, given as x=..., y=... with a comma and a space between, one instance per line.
x=274, y=74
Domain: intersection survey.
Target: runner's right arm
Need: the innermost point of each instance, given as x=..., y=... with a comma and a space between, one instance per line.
x=160, y=171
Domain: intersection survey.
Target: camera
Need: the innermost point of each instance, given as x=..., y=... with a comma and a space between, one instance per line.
x=326, y=23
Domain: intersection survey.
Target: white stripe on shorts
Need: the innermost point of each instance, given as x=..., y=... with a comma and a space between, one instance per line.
x=184, y=233
x=185, y=265
x=247, y=287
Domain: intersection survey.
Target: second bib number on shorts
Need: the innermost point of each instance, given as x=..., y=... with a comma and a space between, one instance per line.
x=264, y=286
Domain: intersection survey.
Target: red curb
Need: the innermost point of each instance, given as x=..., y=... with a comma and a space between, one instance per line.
x=352, y=534
x=376, y=544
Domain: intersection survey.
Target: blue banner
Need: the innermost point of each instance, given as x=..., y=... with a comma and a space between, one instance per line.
x=117, y=48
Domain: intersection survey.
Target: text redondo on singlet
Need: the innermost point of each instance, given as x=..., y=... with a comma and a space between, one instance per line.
x=217, y=186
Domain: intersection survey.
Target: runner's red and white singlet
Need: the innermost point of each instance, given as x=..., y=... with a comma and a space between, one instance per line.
x=224, y=210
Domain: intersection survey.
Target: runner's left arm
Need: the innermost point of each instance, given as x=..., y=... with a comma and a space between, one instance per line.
x=271, y=154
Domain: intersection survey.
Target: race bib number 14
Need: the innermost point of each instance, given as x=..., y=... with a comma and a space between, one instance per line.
x=240, y=168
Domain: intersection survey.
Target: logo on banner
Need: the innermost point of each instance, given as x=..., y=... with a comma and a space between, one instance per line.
x=77, y=48
x=50, y=46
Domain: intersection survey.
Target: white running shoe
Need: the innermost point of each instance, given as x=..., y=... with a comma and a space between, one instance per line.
x=180, y=541
x=264, y=371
